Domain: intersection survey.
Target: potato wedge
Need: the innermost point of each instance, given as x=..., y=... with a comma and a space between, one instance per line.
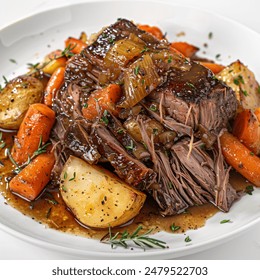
x=97, y=197
x=15, y=99
x=243, y=82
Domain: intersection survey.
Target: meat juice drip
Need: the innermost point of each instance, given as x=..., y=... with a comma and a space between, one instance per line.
x=54, y=213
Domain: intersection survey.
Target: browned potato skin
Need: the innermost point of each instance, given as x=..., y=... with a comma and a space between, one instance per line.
x=242, y=80
x=15, y=99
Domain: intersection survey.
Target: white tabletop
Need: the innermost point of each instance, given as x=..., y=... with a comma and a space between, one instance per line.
x=247, y=245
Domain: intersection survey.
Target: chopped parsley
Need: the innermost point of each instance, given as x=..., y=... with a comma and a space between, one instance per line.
x=174, y=228
x=245, y=92
x=225, y=221
x=5, y=80
x=85, y=105
x=170, y=59
x=238, y=80
x=218, y=56
x=120, y=130
x=74, y=176
x=153, y=108
x=136, y=70
x=249, y=189
x=210, y=36
x=187, y=239
x=145, y=49
x=13, y=60
x=131, y=146
x=190, y=85
x=104, y=118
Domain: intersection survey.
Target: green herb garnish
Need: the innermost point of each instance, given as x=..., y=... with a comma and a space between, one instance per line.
x=225, y=221
x=67, y=51
x=153, y=108
x=145, y=49
x=131, y=146
x=48, y=213
x=238, y=80
x=17, y=167
x=74, y=176
x=210, y=35
x=190, y=85
x=13, y=60
x=174, y=228
x=249, y=189
x=170, y=59
x=136, y=70
x=245, y=92
x=187, y=239
x=104, y=118
x=5, y=80
x=141, y=240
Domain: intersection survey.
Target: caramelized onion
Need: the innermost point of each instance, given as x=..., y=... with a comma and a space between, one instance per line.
x=140, y=79
x=123, y=51
x=152, y=127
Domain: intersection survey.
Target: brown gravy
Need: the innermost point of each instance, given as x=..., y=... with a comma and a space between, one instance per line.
x=50, y=209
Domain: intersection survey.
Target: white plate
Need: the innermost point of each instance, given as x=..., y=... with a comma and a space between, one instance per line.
x=30, y=39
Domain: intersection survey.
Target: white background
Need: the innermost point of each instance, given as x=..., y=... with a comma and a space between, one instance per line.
x=246, y=246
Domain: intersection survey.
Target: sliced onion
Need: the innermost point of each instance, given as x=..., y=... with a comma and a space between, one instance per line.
x=139, y=80
x=165, y=59
x=123, y=51
x=152, y=127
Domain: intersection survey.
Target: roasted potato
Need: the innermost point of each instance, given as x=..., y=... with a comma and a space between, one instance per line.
x=97, y=197
x=15, y=99
x=243, y=82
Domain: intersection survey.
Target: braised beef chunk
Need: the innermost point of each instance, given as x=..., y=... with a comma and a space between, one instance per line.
x=196, y=97
x=117, y=31
x=127, y=168
x=165, y=154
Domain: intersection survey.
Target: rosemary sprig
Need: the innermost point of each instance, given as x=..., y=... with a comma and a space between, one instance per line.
x=41, y=149
x=17, y=167
x=141, y=240
x=67, y=52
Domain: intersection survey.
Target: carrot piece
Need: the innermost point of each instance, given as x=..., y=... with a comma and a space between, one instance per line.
x=154, y=30
x=35, y=127
x=30, y=182
x=53, y=85
x=214, y=67
x=246, y=129
x=241, y=158
x=173, y=50
x=104, y=99
x=54, y=64
x=186, y=49
x=75, y=45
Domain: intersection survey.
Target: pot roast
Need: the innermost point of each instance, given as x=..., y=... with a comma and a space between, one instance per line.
x=177, y=107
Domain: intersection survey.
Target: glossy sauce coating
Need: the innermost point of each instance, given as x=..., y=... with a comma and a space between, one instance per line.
x=50, y=209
